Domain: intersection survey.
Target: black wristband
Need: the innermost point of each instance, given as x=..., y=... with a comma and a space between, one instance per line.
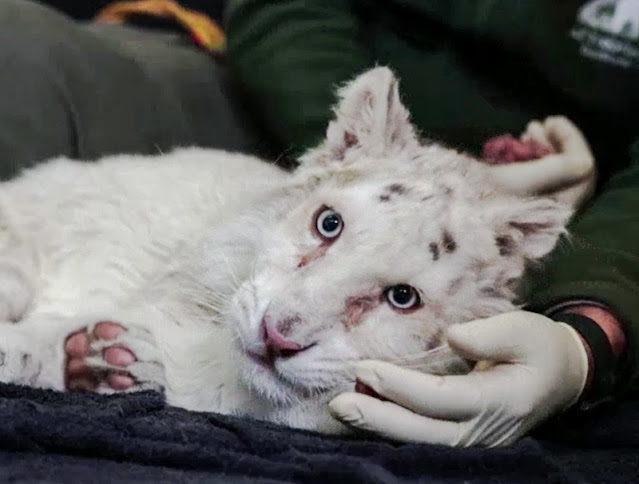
x=604, y=360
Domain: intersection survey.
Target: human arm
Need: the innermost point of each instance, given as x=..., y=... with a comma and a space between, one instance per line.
x=596, y=272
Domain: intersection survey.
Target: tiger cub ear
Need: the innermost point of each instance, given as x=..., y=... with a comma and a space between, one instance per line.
x=370, y=119
x=530, y=227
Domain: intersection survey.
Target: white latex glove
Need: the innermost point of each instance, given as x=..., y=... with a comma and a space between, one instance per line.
x=539, y=369
x=567, y=175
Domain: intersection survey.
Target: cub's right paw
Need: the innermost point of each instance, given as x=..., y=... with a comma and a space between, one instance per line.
x=109, y=357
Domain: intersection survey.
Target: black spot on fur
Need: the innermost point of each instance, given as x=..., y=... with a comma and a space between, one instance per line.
x=391, y=190
x=449, y=243
x=397, y=188
x=286, y=325
x=529, y=228
x=339, y=152
x=505, y=245
x=434, y=250
x=490, y=292
x=350, y=139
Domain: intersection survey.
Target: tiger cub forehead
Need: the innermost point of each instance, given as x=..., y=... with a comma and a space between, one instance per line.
x=411, y=223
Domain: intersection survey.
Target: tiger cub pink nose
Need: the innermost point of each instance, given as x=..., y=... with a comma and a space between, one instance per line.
x=275, y=343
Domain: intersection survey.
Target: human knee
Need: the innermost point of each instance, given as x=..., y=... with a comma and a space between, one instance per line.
x=33, y=38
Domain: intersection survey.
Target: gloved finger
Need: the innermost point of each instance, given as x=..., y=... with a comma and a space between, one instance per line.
x=533, y=176
x=566, y=136
x=535, y=131
x=508, y=337
x=392, y=421
x=452, y=397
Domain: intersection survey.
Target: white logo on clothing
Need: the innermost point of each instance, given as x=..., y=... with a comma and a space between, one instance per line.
x=608, y=30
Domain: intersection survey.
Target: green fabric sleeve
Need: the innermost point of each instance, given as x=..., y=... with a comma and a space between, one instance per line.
x=288, y=56
x=600, y=262
x=512, y=24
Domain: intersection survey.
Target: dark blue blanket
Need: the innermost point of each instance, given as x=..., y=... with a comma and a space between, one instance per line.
x=55, y=437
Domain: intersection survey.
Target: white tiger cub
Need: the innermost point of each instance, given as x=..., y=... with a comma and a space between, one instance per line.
x=242, y=289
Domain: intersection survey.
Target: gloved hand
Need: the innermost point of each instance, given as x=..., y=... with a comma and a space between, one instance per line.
x=539, y=368
x=567, y=174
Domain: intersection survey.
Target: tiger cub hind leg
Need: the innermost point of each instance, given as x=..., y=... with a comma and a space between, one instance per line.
x=29, y=357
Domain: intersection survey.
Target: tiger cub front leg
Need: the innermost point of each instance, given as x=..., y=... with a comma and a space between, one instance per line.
x=106, y=357
x=76, y=353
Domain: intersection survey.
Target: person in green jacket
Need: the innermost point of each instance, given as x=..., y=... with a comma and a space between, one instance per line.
x=470, y=70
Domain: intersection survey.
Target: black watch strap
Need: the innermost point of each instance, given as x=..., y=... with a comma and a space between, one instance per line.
x=605, y=363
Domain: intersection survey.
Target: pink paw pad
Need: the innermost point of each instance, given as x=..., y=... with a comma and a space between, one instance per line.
x=79, y=376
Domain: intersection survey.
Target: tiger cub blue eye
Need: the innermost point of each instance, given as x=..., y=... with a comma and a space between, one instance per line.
x=328, y=224
x=403, y=296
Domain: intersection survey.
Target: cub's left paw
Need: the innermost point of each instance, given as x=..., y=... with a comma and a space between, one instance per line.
x=109, y=357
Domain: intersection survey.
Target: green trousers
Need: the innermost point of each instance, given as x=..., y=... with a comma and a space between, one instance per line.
x=87, y=90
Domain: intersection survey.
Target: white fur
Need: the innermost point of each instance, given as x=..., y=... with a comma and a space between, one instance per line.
x=191, y=250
